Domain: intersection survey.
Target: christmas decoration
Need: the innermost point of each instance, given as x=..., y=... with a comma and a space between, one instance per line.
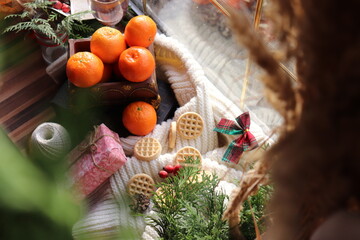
x=163, y=174
x=96, y=159
x=169, y=168
x=141, y=203
x=245, y=142
x=189, y=208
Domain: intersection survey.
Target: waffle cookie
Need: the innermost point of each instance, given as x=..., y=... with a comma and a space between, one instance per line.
x=141, y=184
x=172, y=135
x=147, y=149
x=190, y=125
x=185, y=153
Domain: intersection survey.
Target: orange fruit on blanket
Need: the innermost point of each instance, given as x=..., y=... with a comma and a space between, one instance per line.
x=136, y=64
x=139, y=118
x=84, y=69
x=140, y=31
x=107, y=43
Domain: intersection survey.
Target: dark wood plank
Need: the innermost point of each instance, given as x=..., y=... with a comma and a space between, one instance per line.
x=25, y=88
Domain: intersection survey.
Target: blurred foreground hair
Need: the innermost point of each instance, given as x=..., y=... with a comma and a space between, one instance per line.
x=315, y=164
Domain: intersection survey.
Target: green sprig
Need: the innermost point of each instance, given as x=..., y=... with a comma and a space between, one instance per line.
x=39, y=17
x=258, y=203
x=188, y=207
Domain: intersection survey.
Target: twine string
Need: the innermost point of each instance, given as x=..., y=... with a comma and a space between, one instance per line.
x=92, y=148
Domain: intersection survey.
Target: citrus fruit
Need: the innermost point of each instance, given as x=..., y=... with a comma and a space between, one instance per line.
x=139, y=118
x=136, y=64
x=107, y=43
x=116, y=70
x=106, y=73
x=140, y=31
x=84, y=69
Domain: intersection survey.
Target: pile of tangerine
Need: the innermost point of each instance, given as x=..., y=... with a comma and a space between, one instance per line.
x=109, y=52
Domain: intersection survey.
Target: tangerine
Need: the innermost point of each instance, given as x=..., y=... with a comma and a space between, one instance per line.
x=139, y=118
x=116, y=70
x=136, y=64
x=107, y=43
x=107, y=73
x=84, y=69
x=140, y=31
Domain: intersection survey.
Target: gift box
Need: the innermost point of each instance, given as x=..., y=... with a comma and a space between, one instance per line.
x=115, y=92
x=95, y=159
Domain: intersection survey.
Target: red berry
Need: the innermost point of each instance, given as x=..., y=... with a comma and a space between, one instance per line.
x=163, y=174
x=169, y=168
x=57, y=5
x=65, y=8
x=177, y=167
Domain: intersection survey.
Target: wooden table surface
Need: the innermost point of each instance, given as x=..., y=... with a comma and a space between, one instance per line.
x=25, y=88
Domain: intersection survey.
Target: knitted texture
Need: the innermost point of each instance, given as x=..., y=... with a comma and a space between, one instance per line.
x=108, y=210
x=223, y=60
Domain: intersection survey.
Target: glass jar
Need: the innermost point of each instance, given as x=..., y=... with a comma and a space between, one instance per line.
x=51, y=51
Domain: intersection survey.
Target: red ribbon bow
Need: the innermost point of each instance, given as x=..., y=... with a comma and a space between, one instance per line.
x=245, y=142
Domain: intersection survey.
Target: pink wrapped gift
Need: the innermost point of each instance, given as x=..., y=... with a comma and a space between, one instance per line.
x=95, y=160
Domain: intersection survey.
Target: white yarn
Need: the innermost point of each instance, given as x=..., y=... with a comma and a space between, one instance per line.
x=194, y=93
x=223, y=60
x=49, y=140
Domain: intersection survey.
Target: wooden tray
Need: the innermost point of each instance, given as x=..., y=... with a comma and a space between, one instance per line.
x=117, y=91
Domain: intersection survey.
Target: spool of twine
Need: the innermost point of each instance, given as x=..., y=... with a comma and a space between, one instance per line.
x=49, y=141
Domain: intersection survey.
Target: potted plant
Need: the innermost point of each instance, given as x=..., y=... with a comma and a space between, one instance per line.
x=52, y=28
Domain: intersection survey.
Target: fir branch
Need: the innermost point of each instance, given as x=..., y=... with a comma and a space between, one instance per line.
x=47, y=22
x=38, y=4
x=75, y=36
x=188, y=207
x=48, y=31
x=23, y=15
x=19, y=27
x=15, y=15
x=82, y=27
x=73, y=22
x=53, y=17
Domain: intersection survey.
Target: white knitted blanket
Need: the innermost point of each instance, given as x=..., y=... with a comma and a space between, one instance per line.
x=107, y=212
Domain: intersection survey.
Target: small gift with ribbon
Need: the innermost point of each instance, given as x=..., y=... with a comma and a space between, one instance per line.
x=95, y=160
x=245, y=142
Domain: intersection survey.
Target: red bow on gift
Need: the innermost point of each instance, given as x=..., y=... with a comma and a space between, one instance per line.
x=245, y=142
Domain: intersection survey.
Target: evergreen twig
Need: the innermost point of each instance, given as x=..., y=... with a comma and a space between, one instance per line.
x=39, y=17
x=188, y=207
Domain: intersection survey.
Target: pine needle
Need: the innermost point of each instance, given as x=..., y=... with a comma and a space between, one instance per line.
x=188, y=207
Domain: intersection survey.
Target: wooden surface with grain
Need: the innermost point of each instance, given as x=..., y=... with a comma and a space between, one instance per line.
x=25, y=87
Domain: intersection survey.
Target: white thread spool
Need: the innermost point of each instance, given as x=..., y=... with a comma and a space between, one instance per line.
x=50, y=141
